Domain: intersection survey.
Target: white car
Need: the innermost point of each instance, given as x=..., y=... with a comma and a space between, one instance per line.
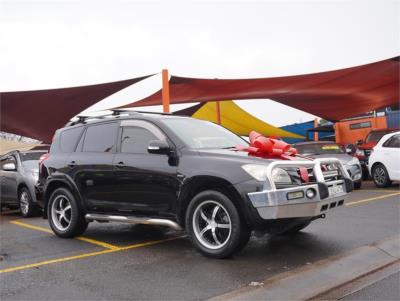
x=384, y=162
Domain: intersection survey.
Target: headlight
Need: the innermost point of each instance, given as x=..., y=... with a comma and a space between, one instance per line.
x=280, y=175
x=353, y=161
x=258, y=172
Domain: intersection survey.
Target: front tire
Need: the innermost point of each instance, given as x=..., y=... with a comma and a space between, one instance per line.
x=26, y=205
x=215, y=226
x=381, y=176
x=66, y=218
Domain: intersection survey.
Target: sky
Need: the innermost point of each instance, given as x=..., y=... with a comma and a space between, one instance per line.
x=53, y=44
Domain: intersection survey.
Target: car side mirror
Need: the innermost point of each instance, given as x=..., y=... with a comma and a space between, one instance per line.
x=358, y=142
x=158, y=147
x=10, y=167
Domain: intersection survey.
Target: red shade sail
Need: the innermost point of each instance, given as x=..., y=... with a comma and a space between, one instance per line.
x=38, y=114
x=332, y=95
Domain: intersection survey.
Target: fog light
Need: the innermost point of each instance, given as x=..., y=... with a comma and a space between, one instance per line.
x=310, y=193
x=295, y=195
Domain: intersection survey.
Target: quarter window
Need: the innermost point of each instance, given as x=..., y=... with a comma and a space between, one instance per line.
x=135, y=140
x=69, y=138
x=100, y=138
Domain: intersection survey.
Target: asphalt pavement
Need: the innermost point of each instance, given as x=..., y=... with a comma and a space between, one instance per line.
x=121, y=262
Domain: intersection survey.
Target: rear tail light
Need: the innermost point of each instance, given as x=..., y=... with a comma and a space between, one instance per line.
x=43, y=158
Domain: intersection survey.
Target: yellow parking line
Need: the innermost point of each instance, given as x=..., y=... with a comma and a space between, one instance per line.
x=372, y=199
x=81, y=238
x=378, y=190
x=85, y=255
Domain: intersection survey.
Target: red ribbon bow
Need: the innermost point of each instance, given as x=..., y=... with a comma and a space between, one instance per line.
x=268, y=148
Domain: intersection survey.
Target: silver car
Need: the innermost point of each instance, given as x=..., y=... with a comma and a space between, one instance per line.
x=19, y=174
x=329, y=149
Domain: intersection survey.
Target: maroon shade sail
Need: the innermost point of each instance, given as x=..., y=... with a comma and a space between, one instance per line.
x=332, y=95
x=38, y=114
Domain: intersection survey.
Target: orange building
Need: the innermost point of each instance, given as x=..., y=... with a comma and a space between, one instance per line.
x=350, y=130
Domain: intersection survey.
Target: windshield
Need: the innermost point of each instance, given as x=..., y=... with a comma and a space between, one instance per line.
x=30, y=160
x=376, y=136
x=319, y=149
x=203, y=134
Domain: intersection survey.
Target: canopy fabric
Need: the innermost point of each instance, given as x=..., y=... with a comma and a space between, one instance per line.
x=236, y=119
x=332, y=95
x=38, y=114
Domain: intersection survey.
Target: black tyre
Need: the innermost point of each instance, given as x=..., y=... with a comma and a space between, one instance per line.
x=25, y=202
x=65, y=216
x=380, y=176
x=215, y=226
x=357, y=185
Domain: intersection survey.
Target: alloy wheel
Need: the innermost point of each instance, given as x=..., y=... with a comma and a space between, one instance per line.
x=24, y=202
x=61, y=212
x=212, y=224
x=379, y=175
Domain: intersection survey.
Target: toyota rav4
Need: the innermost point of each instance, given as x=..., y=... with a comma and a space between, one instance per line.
x=181, y=173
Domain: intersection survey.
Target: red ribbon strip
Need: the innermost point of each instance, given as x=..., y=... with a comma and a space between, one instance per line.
x=268, y=148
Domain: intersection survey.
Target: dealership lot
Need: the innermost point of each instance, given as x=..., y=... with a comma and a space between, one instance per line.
x=119, y=261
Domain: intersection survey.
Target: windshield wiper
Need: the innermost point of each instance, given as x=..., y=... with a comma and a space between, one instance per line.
x=228, y=147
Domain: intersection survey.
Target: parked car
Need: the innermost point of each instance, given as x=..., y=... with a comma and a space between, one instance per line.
x=182, y=173
x=384, y=161
x=19, y=174
x=365, y=147
x=328, y=149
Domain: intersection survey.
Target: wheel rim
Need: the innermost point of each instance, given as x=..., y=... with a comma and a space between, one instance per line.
x=379, y=175
x=212, y=225
x=61, y=213
x=24, y=202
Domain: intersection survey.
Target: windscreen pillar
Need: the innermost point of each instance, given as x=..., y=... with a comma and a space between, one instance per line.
x=165, y=91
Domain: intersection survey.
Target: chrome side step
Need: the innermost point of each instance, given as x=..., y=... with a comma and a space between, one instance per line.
x=133, y=220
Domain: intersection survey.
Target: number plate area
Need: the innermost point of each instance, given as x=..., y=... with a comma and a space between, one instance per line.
x=336, y=189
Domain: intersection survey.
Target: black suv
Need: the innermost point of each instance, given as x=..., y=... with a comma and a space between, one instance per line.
x=182, y=173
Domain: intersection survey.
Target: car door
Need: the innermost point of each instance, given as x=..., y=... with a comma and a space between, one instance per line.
x=391, y=156
x=91, y=165
x=145, y=182
x=9, y=180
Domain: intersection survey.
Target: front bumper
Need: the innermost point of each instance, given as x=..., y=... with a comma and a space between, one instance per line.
x=276, y=203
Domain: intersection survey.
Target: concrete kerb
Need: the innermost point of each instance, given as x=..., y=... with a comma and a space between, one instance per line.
x=316, y=279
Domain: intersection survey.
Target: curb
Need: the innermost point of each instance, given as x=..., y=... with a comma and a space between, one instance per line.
x=311, y=281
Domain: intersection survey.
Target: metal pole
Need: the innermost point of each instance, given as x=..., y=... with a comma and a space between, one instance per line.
x=218, y=109
x=165, y=91
x=315, y=125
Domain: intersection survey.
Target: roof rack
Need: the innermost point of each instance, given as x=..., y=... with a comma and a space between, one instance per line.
x=115, y=113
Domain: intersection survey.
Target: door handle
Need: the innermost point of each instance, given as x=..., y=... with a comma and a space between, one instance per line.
x=120, y=164
x=72, y=164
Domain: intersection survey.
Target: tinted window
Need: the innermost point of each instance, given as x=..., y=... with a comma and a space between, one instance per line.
x=360, y=125
x=376, y=136
x=136, y=140
x=100, y=138
x=31, y=156
x=69, y=138
x=393, y=142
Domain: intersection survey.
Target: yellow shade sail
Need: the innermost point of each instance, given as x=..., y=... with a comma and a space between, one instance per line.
x=239, y=121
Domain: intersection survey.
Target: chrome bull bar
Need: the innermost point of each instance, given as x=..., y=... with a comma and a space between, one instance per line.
x=274, y=203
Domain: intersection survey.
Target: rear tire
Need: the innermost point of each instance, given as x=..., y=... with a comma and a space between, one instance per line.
x=65, y=216
x=26, y=205
x=381, y=176
x=215, y=226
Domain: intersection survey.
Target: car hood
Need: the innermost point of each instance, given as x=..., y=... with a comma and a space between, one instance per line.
x=344, y=158
x=240, y=156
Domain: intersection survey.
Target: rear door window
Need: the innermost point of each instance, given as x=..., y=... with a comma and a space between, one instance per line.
x=101, y=138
